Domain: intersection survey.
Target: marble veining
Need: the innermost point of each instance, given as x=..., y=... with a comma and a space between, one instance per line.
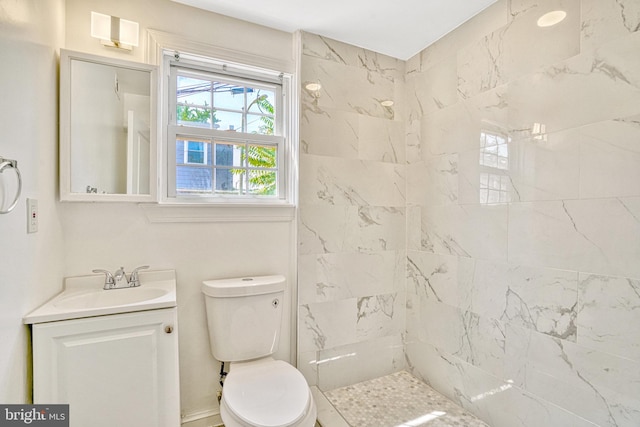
x=335, y=276
x=608, y=309
x=544, y=300
x=607, y=20
x=602, y=387
x=570, y=235
x=606, y=82
x=465, y=230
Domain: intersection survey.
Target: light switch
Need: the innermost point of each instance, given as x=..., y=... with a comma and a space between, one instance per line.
x=32, y=215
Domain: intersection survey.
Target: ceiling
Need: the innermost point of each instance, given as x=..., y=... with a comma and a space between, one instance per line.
x=398, y=28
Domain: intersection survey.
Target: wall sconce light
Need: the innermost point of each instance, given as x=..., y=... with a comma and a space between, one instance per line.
x=113, y=31
x=387, y=103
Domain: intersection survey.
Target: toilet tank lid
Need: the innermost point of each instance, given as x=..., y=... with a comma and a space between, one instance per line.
x=242, y=286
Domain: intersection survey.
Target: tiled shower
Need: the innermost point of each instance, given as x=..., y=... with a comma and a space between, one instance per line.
x=483, y=233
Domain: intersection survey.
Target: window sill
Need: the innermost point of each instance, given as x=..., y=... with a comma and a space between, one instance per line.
x=194, y=213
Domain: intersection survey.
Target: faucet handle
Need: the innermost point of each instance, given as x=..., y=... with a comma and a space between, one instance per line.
x=109, y=282
x=133, y=278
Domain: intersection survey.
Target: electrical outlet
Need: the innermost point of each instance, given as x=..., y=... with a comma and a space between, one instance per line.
x=32, y=215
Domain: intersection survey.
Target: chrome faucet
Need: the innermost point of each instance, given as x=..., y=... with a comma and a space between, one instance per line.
x=109, y=283
x=119, y=280
x=134, y=280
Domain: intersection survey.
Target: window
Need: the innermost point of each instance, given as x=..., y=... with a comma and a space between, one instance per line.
x=226, y=129
x=494, y=150
x=494, y=162
x=494, y=188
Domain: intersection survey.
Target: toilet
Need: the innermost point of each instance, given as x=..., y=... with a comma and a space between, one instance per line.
x=244, y=317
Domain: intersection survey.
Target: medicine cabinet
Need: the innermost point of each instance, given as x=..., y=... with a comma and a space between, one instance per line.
x=108, y=144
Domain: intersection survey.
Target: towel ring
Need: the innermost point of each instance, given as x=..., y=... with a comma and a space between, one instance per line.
x=13, y=164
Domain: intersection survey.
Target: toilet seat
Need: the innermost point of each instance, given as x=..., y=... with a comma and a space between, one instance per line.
x=267, y=393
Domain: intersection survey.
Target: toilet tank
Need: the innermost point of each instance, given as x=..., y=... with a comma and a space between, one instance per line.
x=244, y=316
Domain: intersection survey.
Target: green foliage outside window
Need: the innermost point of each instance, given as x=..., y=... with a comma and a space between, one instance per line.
x=263, y=182
x=185, y=113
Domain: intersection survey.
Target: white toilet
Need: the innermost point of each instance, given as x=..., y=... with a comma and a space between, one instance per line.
x=244, y=317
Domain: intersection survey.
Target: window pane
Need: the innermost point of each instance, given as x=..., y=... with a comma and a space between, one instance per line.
x=226, y=181
x=484, y=196
x=230, y=181
x=192, y=180
x=179, y=151
x=490, y=140
x=196, y=152
x=262, y=183
x=491, y=149
x=193, y=91
x=503, y=163
x=504, y=184
x=490, y=160
x=189, y=151
x=494, y=182
x=494, y=196
x=226, y=120
x=229, y=154
x=260, y=124
x=186, y=114
x=260, y=101
x=228, y=97
x=262, y=156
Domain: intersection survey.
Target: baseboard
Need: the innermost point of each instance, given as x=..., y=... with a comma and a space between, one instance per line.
x=209, y=418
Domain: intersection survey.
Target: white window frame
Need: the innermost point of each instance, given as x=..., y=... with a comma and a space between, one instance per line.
x=171, y=62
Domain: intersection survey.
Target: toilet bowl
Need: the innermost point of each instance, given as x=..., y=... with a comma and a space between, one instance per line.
x=266, y=393
x=244, y=316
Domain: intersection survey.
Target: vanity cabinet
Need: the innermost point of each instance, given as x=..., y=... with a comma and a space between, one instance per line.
x=117, y=370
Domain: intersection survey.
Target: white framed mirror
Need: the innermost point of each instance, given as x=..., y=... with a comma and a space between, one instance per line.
x=108, y=144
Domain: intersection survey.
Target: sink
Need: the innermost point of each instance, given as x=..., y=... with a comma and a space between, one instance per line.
x=84, y=296
x=110, y=298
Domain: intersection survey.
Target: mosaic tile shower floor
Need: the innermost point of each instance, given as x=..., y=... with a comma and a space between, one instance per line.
x=398, y=400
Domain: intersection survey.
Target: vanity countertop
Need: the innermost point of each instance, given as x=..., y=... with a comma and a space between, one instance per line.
x=84, y=296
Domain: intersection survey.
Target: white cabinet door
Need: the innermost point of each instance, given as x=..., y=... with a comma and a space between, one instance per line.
x=119, y=370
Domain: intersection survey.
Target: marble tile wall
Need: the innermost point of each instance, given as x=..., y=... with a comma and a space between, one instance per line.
x=352, y=216
x=523, y=214
x=484, y=232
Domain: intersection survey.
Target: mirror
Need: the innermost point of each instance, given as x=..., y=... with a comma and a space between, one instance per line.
x=107, y=129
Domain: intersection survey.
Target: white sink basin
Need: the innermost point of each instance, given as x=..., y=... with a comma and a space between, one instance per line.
x=110, y=298
x=84, y=296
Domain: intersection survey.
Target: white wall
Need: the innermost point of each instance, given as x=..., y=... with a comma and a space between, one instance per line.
x=31, y=265
x=110, y=235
